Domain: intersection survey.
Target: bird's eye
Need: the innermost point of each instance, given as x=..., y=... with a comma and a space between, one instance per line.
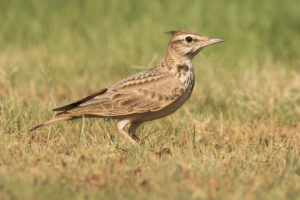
x=188, y=39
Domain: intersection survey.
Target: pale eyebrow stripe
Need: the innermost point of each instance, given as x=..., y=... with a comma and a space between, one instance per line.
x=176, y=41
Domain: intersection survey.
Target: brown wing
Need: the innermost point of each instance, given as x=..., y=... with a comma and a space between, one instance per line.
x=142, y=92
x=78, y=102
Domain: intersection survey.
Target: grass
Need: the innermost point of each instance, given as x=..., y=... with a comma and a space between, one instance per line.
x=236, y=138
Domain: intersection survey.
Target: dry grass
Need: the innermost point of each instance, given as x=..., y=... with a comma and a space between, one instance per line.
x=236, y=138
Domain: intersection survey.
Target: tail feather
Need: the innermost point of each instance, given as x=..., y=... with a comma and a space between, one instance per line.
x=52, y=121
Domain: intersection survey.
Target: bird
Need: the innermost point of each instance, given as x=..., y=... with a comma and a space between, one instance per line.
x=144, y=96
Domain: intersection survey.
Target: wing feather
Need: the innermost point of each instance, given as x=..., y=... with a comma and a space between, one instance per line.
x=78, y=102
x=142, y=92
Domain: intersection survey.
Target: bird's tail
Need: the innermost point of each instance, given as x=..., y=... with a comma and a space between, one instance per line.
x=52, y=121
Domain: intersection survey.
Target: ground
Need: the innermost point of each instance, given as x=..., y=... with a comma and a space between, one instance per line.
x=236, y=138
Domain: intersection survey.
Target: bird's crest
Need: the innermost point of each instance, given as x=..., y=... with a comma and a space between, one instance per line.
x=172, y=32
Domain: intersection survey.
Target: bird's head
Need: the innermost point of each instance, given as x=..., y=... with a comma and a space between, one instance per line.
x=187, y=44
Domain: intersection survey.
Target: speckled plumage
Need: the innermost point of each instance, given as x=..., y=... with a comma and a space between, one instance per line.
x=147, y=95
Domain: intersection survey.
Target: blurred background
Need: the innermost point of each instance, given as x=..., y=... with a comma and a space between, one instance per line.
x=107, y=40
x=247, y=91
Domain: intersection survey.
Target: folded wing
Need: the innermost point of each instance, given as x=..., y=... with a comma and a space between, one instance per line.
x=143, y=92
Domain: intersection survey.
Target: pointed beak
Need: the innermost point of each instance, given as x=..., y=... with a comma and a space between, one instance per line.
x=211, y=41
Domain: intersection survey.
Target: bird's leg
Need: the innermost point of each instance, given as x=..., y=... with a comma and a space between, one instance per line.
x=132, y=130
x=121, y=125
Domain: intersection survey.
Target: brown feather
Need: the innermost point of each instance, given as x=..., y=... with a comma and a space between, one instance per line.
x=126, y=97
x=76, y=103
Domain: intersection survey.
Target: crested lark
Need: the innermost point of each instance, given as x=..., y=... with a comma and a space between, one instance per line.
x=145, y=96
